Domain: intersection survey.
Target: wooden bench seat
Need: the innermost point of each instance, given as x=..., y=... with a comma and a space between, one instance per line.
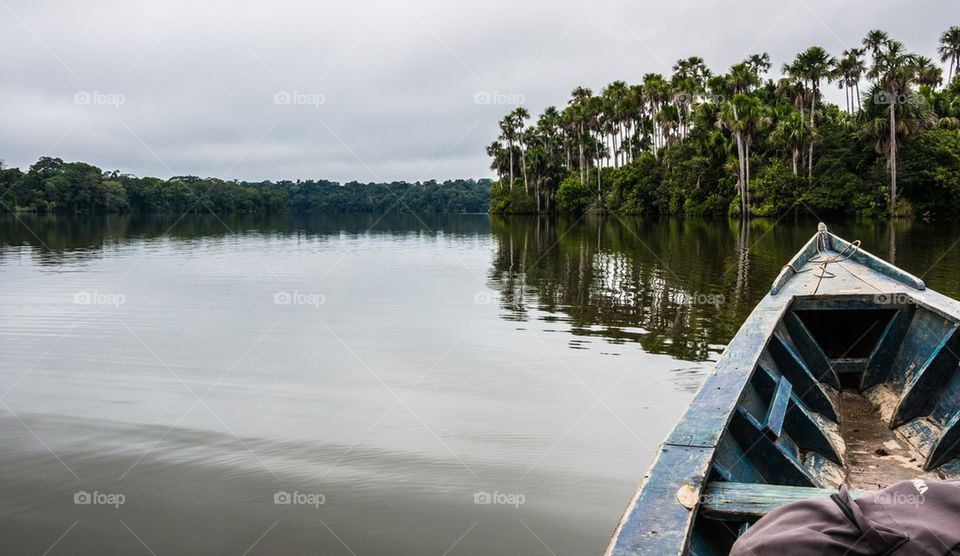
x=750, y=501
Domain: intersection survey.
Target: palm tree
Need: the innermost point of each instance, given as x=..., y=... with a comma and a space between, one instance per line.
x=579, y=99
x=874, y=42
x=520, y=115
x=949, y=49
x=928, y=73
x=729, y=119
x=841, y=72
x=847, y=72
x=595, y=123
x=794, y=89
x=682, y=70
x=550, y=127
x=668, y=123
x=792, y=131
x=534, y=157
x=569, y=130
x=814, y=64
x=656, y=92
x=756, y=116
x=741, y=78
x=497, y=154
x=759, y=64
x=634, y=113
x=889, y=133
x=698, y=71
x=894, y=69
x=682, y=100
x=615, y=96
x=509, y=134
x=857, y=69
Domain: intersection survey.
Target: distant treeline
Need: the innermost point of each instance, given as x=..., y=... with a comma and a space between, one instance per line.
x=54, y=186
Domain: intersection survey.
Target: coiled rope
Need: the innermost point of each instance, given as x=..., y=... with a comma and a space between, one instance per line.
x=821, y=261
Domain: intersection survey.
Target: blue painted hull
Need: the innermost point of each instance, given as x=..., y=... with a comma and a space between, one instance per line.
x=841, y=330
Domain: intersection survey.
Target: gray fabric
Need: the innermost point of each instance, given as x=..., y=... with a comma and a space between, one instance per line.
x=910, y=517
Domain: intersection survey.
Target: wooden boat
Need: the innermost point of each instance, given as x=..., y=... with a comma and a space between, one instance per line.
x=846, y=372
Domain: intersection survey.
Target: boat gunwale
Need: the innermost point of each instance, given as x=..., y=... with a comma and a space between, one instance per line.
x=733, y=370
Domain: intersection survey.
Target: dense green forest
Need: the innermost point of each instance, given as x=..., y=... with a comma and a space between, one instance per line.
x=740, y=142
x=54, y=186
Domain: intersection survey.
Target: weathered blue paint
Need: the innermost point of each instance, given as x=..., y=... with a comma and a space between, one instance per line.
x=738, y=501
x=877, y=264
x=827, y=242
x=880, y=361
x=766, y=419
x=656, y=522
x=927, y=329
x=775, y=460
x=923, y=384
x=810, y=350
x=946, y=408
x=777, y=411
x=799, y=423
x=732, y=463
x=922, y=434
x=790, y=364
x=796, y=263
x=947, y=444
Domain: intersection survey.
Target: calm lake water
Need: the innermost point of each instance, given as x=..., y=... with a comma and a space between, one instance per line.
x=364, y=385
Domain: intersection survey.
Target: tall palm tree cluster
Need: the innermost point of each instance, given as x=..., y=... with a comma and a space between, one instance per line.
x=589, y=140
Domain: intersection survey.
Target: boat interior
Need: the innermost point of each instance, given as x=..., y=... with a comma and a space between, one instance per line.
x=855, y=389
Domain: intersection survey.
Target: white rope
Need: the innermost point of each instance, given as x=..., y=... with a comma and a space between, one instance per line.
x=821, y=262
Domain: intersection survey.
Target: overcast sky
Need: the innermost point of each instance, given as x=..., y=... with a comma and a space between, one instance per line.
x=365, y=90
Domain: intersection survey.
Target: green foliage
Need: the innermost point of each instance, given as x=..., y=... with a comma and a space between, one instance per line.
x=504, y=200
x=52, y=185
x=696, y=179
x=699, y=143
x=774, y=189
x=572, y=197
x=931, y=173
x=635, y=187
x=837, y=193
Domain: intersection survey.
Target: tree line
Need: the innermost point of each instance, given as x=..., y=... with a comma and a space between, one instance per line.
x=54, y=186
x=741, y=142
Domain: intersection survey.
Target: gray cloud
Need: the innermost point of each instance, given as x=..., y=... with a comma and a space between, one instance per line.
x=398, y=80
